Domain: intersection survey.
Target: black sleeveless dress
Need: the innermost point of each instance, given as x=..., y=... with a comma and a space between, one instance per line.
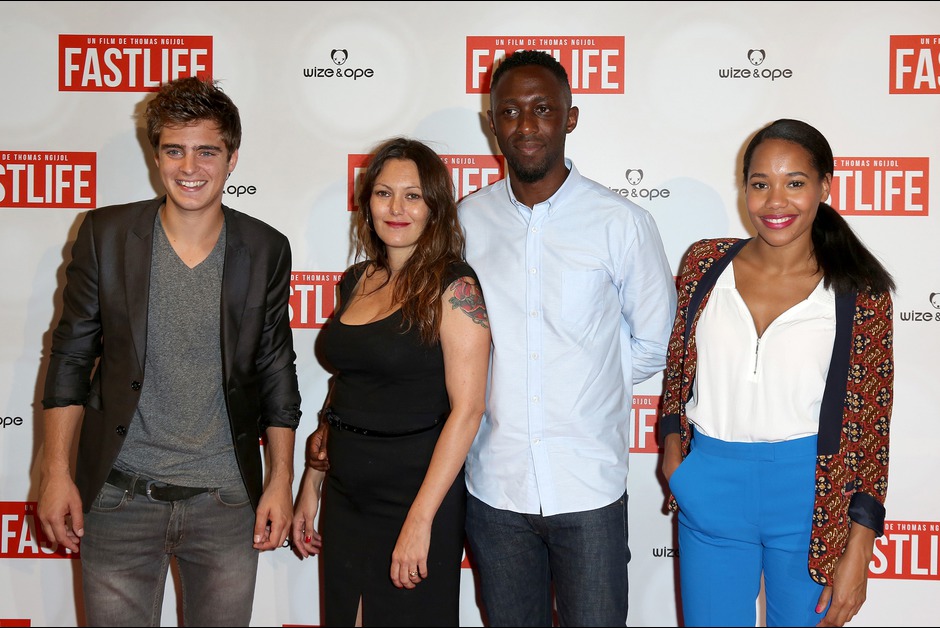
x=386, y=383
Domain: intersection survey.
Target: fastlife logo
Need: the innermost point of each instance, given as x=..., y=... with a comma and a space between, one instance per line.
x=21, y=535
x=595, y=64
x=644, y=419
x=915, y=64
x=908, y=550
x=312, y=299
x=884, y=186
x=130, y=63
x=51, y=179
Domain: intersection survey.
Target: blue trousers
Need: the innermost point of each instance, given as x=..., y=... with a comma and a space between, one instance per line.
x=129, y=543
x=520, y=557
x=745, y=511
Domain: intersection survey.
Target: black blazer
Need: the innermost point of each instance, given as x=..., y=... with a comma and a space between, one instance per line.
x=104, y=320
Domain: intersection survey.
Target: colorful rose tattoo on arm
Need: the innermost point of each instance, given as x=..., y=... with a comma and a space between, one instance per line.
x=469, y=299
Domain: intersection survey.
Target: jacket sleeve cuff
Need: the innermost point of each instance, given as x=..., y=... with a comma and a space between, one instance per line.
x=290, y=418
x=867, y=511
x=668, y=424
x=61, y=402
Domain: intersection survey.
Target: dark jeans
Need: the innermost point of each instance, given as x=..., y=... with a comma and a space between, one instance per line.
x=128, y=545
x=520, y=557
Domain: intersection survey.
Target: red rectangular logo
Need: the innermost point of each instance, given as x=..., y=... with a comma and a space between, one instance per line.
x=644, y=418
x=21, y=535
x=915, y=64
x=48, y=179
x=881, y=186
x=595, y=64
x=909, y=550
x=130, y=63
x=469, y=173
x=312, y=298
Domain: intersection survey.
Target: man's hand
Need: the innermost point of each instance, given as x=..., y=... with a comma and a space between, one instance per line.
x=60, y=511
x=276, y=507
x=273, y=518
x=60, y=505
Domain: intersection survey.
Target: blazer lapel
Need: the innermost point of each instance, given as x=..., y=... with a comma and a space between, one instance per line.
x=832, y=408
x=138, y=250
x=235, y=279
x=707, y=281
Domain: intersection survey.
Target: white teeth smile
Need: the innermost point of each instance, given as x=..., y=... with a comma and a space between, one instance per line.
x=777, y=221
x=191, y=184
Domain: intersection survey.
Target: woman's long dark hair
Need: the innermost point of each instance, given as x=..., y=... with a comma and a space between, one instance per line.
x=846, y=263
x=419, y=283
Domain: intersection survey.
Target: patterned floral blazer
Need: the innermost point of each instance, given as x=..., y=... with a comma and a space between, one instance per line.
x=852, y=450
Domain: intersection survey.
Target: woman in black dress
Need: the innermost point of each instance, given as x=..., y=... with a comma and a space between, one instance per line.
x=409, y=349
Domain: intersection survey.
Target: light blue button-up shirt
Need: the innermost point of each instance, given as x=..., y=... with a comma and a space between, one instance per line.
x=581, y=300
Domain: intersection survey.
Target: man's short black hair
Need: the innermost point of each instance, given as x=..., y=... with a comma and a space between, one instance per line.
x=523, y=58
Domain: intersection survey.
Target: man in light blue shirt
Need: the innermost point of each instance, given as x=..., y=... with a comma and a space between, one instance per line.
x=581, y=301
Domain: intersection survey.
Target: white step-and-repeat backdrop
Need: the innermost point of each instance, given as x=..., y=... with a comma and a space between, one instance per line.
x=669, y=94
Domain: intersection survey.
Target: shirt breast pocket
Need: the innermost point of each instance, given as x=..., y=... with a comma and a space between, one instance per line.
x=583, y=293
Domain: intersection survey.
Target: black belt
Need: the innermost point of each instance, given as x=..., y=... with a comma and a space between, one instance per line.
x=155, y=491
x=336, y=422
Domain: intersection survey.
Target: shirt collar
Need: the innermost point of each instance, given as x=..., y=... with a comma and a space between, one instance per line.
x=557, y=199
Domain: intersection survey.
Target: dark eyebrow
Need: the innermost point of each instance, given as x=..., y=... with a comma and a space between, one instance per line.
x=198, y=148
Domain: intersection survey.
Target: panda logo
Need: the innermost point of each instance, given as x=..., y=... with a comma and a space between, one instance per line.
x=634, y=176
x=339, y=55
x=756, y=56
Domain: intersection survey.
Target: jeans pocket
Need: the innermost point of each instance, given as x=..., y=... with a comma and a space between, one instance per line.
x=234, y=495
x=109, y=498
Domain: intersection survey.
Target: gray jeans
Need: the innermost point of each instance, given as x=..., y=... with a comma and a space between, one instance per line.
x=129, y=543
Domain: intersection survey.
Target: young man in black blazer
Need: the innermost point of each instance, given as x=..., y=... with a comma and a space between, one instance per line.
x=173, y=357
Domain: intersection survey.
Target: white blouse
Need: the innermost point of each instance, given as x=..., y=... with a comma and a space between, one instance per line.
x=761, y=389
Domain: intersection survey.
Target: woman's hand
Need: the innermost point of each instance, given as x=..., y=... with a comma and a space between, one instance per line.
x=850, y=579
x=672, y=455
x=305, y=538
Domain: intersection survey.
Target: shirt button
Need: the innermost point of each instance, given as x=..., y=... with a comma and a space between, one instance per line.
x=535, y=356
x=532, y=271
x=121, y=430
x=533, y=313
x=135, y=385
x=535, y=399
